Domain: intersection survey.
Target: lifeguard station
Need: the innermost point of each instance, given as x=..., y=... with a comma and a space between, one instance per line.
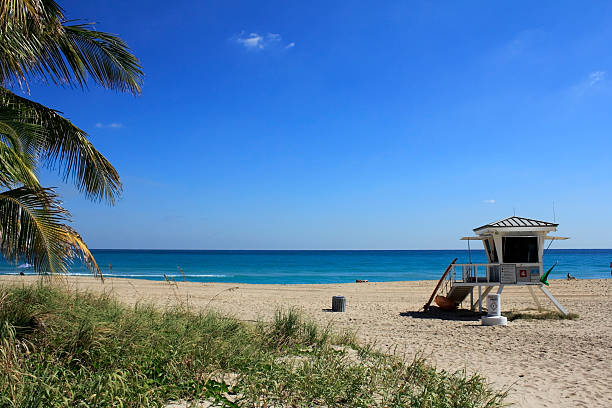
x=514, y=247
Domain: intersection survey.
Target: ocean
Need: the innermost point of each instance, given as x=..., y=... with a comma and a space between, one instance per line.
x=285, y=267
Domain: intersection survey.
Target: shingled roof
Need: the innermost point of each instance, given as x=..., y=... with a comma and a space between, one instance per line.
x=514, y=222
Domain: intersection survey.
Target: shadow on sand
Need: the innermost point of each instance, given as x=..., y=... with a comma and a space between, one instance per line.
x=435, y=312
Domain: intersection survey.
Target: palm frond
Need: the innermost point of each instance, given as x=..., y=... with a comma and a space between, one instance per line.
x=37, y=42
x=80, y=249
x=65, y=148
x=15, y=168
x=19, y=132
x=105, y=57
x=32, y=228
x=29, y=11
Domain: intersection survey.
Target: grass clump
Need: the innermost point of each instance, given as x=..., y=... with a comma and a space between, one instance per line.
x=61, y=348
x=539, y=315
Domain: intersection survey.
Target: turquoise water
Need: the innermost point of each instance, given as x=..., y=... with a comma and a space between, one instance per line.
x=314, y=266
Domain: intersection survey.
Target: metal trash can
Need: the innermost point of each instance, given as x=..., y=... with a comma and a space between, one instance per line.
x=338, y=304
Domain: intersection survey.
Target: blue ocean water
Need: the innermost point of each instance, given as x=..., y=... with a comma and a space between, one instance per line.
x=313, y=266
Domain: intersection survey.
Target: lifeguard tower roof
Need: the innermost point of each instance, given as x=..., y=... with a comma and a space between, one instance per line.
x=518, y=224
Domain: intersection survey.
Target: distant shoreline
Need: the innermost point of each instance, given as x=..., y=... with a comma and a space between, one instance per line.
x=319, y=250
x=304, y=267
x=176, y=279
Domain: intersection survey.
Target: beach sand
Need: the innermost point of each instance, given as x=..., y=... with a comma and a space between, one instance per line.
x=543, y=363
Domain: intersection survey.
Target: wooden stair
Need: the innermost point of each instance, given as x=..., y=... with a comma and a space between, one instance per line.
x=433, y=294
x=458, y=293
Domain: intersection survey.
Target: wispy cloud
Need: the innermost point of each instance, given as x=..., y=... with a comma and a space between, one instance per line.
x=489, y=201
x=259, y=42
x=594, y=82
x=595, y=77
x=113, y=125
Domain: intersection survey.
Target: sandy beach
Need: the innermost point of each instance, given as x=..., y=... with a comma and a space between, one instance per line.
x=544, y=363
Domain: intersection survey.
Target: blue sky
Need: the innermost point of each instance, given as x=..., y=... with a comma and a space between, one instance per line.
x=349, y=125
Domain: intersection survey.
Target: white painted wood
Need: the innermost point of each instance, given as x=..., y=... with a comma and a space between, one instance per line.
x=472, y=299
x=498, y=247
x=493, y=230
x=508, y=273
x=535, y=298
x=540, y=250
x=552, y=298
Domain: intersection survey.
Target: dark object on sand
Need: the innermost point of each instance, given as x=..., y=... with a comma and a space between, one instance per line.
x=338, y=304
x=21, y=273
x=445, y=303
x=570, y=277
x=361, y=280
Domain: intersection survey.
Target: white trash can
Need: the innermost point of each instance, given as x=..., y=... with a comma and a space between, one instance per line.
x=494, y=317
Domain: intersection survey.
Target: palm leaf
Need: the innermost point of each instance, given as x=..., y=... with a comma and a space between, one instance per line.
x=28, y=11
x=36, y=42
x=23, y=137
x=78, y=247
x=32, y=227
x=15, y=168
x=65, y=148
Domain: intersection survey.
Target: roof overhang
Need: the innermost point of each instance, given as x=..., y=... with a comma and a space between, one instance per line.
x=472, y=238
x=557, y=238
x=508, y=230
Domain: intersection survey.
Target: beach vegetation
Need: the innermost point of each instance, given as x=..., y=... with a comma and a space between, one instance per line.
x=60, y=347
x=39, y=45
x=539, y=315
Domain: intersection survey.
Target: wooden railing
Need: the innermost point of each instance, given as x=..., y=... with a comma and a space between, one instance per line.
x=495, y=273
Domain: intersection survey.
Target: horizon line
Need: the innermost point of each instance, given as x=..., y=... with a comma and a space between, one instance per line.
x=439, y=249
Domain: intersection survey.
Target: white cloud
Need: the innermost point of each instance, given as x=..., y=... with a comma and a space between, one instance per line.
x=489, y=201
x=252, y=41
x=113, y=125
x=596, y=77
x=258, y=42
x=596, y=81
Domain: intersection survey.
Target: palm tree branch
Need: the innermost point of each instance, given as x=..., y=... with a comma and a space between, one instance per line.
x=37, y=42
x=31, y=226
x=105, y=57
x=65, y=147
x=15, y=168
x=83, y=251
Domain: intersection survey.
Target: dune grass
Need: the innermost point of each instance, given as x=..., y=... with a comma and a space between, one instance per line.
x=63, y=348
x=538, y=315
